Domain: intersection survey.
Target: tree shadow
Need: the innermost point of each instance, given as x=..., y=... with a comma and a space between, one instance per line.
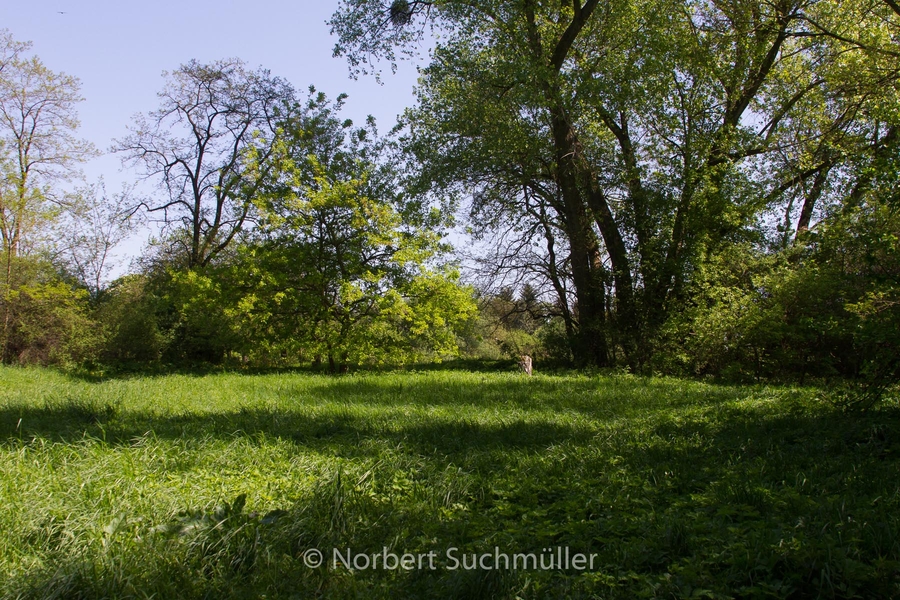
x=760, y=498
x=332, y=433
x=446, y=414
x=124, y=371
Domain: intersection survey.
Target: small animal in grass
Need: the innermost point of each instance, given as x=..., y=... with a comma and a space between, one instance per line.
x=525, y=364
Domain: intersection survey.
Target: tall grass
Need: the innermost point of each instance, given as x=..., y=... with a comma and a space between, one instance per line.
x=220, y=485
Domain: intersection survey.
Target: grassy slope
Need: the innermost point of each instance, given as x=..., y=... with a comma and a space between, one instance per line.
x=111, y=489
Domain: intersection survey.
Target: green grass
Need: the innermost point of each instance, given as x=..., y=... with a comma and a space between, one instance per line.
x=218, y=485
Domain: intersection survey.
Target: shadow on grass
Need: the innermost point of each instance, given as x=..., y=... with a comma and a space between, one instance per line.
x=445, y=414
x=332, y=433
x=100, y=373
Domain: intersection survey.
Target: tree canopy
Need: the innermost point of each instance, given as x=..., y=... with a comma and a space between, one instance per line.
x=645, y=135
x=196, y=143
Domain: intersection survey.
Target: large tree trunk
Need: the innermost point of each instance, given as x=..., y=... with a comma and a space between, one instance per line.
x=587, y=272
x=626, y=317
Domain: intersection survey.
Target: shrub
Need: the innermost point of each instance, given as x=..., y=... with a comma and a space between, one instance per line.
x=50, y=324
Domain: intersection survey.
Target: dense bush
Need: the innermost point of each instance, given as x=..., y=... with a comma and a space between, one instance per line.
x=50, y=323
x=129, y=314
x=827, y=307
x=44, y=318
x=238, y=311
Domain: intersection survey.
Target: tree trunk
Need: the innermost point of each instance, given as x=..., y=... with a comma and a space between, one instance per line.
x=809, y=202
x=587, y=275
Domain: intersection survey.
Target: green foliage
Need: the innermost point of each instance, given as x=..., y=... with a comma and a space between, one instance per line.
x=508, y=327
x=555, y=341
x=292, y=301
x=633, y=141
x=259, y=308
x=200, y=327
x=340, y=268
x=45, y=319
x=860, y=248
x=129, y=312
x=430, y=310
x=38, y=147
x=825, y=308
x=50, y=324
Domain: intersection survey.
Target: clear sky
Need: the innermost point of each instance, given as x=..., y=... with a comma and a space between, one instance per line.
x=119, y=49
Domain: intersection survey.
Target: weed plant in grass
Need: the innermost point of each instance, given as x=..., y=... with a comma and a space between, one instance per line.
x=220, y=485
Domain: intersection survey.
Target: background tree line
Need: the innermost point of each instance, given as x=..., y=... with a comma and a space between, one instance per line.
x=700, y=187
x=283, y=237
x=690, y=187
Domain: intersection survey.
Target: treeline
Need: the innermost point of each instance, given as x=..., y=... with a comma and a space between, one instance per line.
x=826, y=309
x=700, y=187
x=655, y=185
x=283, y=236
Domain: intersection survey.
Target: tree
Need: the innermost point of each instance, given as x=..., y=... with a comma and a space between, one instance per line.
x=344, y=270
x=37, y=125
x=38, y=147
x=652, y=130
x=354, y=283
x=95, y=223
x=50, y=323
x=197, y=142
x=10, y=49
x=337, y=268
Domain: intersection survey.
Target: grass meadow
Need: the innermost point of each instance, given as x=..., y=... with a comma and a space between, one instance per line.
x=222, y=485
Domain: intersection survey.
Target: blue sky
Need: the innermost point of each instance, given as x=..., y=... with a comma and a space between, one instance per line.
x=119, y=49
